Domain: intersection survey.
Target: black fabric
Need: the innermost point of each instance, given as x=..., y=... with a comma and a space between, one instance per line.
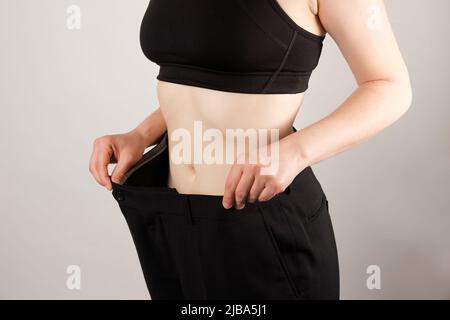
x=249, y=46
x=191, y=247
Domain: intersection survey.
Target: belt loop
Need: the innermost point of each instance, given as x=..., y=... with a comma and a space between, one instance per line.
x=190, y=217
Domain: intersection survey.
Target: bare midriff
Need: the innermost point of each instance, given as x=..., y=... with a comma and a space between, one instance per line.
x=186, y=107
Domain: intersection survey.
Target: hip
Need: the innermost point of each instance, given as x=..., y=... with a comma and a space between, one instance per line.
x=281, y=248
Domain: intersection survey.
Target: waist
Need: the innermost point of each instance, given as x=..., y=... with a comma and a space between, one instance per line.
x=148, y=179
x=199, y=120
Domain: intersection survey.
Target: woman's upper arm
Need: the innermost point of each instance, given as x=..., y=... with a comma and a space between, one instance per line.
x=362, y=32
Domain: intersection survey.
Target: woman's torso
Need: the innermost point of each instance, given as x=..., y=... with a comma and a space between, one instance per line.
x=184, y=105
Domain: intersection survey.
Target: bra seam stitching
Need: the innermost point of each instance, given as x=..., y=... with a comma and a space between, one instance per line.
x=283, y=62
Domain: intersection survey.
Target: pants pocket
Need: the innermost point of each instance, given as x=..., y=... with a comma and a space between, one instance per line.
x=321, y=235
x=312, y=258
x=239, y=259
x=291, y=245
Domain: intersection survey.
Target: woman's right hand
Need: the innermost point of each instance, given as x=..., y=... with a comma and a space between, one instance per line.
x=124, y=149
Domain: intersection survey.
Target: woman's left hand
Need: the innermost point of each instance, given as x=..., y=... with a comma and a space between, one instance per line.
x=250, y=182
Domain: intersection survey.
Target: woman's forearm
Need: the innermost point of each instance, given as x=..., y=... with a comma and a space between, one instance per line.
x=152, y=127
x=371, y=108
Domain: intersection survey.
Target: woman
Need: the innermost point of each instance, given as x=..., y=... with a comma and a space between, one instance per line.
x=209, y=229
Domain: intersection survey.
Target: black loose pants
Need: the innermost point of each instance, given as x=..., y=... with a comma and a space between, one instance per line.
x=191, y=247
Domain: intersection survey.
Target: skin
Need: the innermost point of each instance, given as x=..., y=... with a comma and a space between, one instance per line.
x=364, y=36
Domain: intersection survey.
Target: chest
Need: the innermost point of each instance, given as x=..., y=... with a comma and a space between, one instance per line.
x=231, y=35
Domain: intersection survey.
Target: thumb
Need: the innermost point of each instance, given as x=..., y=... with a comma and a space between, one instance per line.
x=120, y=169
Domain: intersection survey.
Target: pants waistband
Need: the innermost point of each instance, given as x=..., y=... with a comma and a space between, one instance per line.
x=154, y=196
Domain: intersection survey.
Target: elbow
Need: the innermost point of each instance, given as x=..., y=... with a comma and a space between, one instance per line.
x=404, y=101
x=407, y=96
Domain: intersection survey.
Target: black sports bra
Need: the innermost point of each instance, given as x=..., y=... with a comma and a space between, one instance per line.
x=248, y=46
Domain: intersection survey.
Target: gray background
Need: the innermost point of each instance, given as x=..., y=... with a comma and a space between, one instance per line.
x=59, y=89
